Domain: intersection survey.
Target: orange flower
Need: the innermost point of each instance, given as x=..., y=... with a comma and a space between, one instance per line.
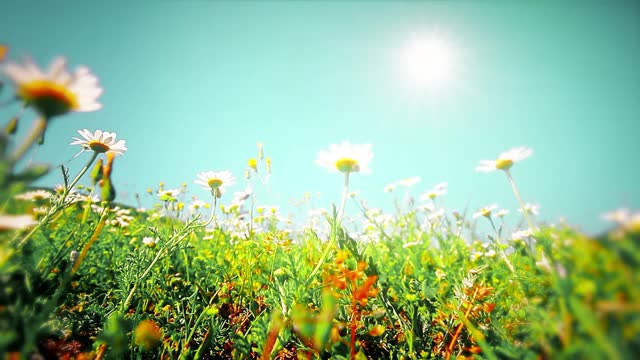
x=148, y=335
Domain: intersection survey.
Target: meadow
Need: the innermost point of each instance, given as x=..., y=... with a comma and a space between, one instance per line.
x=84, y=277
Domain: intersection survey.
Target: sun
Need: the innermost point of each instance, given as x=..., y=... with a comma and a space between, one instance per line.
x=428, y=61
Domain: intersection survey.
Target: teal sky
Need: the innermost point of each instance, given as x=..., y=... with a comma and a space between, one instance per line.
x=194, y=85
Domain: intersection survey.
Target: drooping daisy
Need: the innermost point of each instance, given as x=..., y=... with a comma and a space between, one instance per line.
x=56, y=91
x=505, y=160
x=215, y=181
x=150, y=241
x=346, y=158
x=485, y=211
x=438, y=190
x=100, y=142
x=35, y=195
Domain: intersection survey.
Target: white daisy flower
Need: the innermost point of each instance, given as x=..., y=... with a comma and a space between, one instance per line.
x=438, y=190
x=56, y=91
x=36, y=195
x=409, y=182
x=169, y=194
x=100, y=142
x=389, y=188
x=485, y=211
x=505, y=160
x=216, y=182
x=16, y=222
x=346, y=158
x=196, y=205
x=150, y=241
x=522, y=234
x=502, y=213
x=533, y=209
x=619, y=216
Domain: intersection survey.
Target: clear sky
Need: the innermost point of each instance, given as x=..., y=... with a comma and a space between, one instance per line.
x=194, y=85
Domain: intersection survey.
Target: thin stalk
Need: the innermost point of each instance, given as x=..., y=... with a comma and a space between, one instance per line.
x=498, y=243
x=517, y=194
x=54, y=210
x=34, y=134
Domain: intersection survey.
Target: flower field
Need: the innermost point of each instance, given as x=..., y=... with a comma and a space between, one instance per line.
x=224, y=277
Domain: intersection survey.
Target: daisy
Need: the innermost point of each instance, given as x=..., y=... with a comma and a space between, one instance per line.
x=169, y=194
x=533, y=209
x=485, y=211
x=36, y=195
x=438, y=190
x=100, y=142
x=346, y=158
x=56, y=91
x=409, y=182
x=150, y=241
x=16, y=222
x=502, y=213
x=505, y=160
x=215, y=181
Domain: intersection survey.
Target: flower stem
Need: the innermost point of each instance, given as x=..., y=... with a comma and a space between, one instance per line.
x=345, y=193
x=214, y=204
x=517, y=194
x=34, y=134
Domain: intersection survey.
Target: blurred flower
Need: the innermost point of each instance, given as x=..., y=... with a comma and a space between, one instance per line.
x=502, y=213
x=485, y=211
x=148, y=335
x=100, y=142
x=530, y=209
x=346, y=158
x=36, y=195
x=215, y=181
x=390, y=188
x=56, y=91
x=197, y=205
x=438, y=190
x=625, y=219
x=522, y=234
x=16, y=222
x=150, y=241
x=505, y=160
x=409, y=182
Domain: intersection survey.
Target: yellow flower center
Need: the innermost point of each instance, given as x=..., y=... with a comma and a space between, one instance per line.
x=504, y=164
x=214, y=183
x=98, y=146
x=48, y=97
x=347, y=165
x=485, y=212
x=253, y=164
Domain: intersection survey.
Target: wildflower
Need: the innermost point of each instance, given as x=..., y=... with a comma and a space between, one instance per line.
x=253, y=164
x=346, y=158
x=148, y=335
x=169, y=194
x=485, y=211
x=502, y=213
x=16, y=222
x=409, y=182
x=215, y=181
x=56, y=91
x=438, y=190
x=36, y=195
x=390, y=188
x=197, y=205
x=619, y=216
x=530, y=209
x=505, y=160
x=150, y=241
x=100, y=142
x=522, y=234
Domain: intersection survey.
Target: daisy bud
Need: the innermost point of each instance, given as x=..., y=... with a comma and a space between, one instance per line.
x=260, y=151
x=12, y=126
x=253, y=164
x=108, y=191
x=96, y=173
x=268, y=163
x=247, y=174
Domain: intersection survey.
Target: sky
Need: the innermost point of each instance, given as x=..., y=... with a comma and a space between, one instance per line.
x=195, y=85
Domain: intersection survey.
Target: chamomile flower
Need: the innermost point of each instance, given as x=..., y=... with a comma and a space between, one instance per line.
x=505, y=160
x=16, y=222
x=36, y=195
x=533, y=209
x=502, y=213
x=100, y=142
x=438, y=190
x=215, y=181
x=409, y=182
x=57, y=90
x=150, y=241
x=485, y=211
x=346, y=158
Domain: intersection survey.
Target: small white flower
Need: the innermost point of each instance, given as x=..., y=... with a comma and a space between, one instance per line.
x=411, y=244
x=530, y=209
x=502, y=213
x=150, y=241
x=346, y=158
x=197, y=205
x=619, y=216
x=389, y=188
x=485, y=211
x=490, y=253
x=169, y=194
x=505, y=160
x=56, y=91
x=16, y=222
x=100, y=142
x=36, y=195
x=522, y=234
x=216, y=182
x=438, y=190
x=409, y=182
